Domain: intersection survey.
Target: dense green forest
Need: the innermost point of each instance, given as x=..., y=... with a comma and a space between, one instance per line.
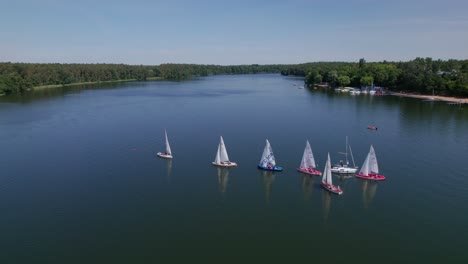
x=421, y=75
x=17, y=77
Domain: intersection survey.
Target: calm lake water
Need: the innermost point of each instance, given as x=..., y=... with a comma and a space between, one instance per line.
x=80, y=181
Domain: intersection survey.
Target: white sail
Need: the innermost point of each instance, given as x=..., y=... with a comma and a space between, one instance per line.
x=373, y=166
x=370, y=164
x=218, y=157
x=222, y=151
x=365, y=166
x=221, y=154
x=327, y=177
x=168, y=148
x=267, y=158
x=308, y=160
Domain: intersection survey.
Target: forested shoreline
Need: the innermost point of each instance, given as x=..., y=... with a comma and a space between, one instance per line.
x=19, y=77
x=421, y=75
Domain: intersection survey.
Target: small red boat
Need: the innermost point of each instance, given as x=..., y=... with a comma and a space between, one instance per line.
x=372, y=127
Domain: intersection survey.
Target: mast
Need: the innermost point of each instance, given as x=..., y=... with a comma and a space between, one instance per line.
x=352, y=157
x=346, y=151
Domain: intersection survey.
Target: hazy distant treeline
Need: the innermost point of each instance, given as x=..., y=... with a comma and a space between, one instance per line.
x=16, y=77
x=421, y=75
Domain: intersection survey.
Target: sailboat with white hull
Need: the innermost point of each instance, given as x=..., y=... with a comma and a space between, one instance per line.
x=327, y=179
x=343, y=168
x=370, y=168
x=167, y=154
x=268, y=162
x=308, y=162
x=222, y=158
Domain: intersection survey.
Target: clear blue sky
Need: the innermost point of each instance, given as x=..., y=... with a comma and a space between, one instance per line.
x=231, y=32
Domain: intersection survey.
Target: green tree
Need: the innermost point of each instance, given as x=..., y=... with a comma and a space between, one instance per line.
x=362, y=63
x=344, y=80
x=331, y=77
x=367, y=81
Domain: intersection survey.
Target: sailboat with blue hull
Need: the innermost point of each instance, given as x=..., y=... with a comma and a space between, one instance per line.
x=268, y=162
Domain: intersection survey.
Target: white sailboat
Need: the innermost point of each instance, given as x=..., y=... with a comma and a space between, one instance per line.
x=222, y=158
x=343, y=168
x=308, y=162
x=268, y=162
x=327, y=179
x=167, y=154
x=370, y=167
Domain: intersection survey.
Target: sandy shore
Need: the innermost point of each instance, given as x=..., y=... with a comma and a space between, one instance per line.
x=436, y=97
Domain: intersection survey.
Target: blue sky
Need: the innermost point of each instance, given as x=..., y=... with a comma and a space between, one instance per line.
x=231, y=32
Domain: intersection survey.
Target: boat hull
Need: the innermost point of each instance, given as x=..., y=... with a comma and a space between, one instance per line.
x=343, y=170
x=332, y=188
x=275, y=168
x=230, y=164
x=372, y=176
x=164, y=155
x=310, y=171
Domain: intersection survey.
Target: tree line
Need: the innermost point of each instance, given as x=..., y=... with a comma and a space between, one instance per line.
x=421, y=75
x=17, y=77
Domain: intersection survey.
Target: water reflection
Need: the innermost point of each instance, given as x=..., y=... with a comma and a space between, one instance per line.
x=307, y=181
x=169, y=170
x=268, y=179
x=369, y=188
x=326, y=203
x=223, y=177
x=343, y=177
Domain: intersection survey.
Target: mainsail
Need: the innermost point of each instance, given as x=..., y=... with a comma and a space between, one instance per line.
x=370, y=164
x=308, y=160
x=327, y=177
x=222, y=151
x=268, y=159
x=365, y=166
x=373, y=166
x=221, y=154
x=168, y=148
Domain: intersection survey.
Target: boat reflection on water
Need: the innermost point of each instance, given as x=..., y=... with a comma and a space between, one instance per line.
x=326, y=203
x=307, y=181
x=343, y=177
x=169, y=170
x=369, y=188
x=223, y=177
x=268, y=179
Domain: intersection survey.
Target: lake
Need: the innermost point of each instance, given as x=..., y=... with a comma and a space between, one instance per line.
x=80, y=181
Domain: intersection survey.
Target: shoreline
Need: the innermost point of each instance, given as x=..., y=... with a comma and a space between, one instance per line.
x=40, y=87
x=435, y=97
